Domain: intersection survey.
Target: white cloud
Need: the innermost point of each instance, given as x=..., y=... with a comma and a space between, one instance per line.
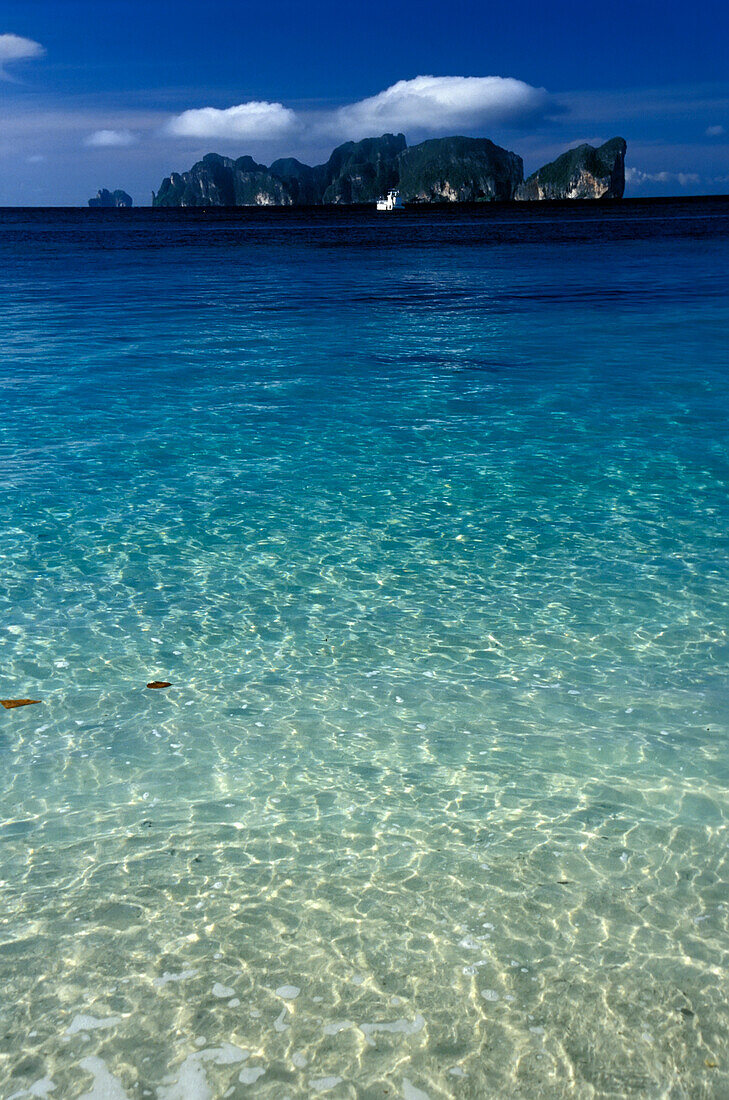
x=104, y=139
x=715, y=131
x=440, y=104
x=423, y=105
x=254, y=120
x=637, y=177
x=15, y=48
x=686, y=179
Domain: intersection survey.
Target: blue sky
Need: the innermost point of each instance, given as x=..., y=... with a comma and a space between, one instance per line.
x=118, y=93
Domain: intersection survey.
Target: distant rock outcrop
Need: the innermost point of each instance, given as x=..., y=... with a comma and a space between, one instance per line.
x=451, y=169
x=304, y=184
x=361, y=171
x=458, y=169
x=358, y=171
x=581, y=173
x=111, y=198
x=220, y=181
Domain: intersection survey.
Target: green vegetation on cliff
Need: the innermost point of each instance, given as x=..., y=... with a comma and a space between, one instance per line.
x=109, y=199
x=358, y=171
x=451, y=169
x=361, y=171
x=581, y=173
x=458, y=169
x=303, y=183
x=220, y=181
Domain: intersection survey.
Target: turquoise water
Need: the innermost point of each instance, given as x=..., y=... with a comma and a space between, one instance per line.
x=427, y=522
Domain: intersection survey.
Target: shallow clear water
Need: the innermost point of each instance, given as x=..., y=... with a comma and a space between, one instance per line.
x=427, y=521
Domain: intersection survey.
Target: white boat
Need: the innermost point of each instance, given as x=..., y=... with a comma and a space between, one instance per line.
x=392, y=202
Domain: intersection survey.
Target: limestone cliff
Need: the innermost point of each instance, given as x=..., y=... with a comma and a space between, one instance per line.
x=452, y=169
x=109, y=199
x=458, y=169
x=581, y=173
x=358, y=171
x=220, y=181
x=303, y=184
x=361, y=171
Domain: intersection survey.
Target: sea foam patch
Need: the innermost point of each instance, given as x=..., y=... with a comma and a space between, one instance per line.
x=410, y=1092
x=105, y=1086
x=84, y=1022
x=191, y=1082
x=288, y=992
x=41, y=1088
x=167, y=977
x=324, y=1084
x=393, y=1027
x=251, y=1074
x=221, y=991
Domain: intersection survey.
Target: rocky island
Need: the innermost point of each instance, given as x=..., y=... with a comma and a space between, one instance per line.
x=451, y=169
x=581, y=173
x=108, y=199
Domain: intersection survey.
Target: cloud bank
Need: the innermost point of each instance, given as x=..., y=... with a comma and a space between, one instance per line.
x=106, y=139
x=435, y=104
x=424, y=105
x=15, y=48
x=253, y=120
x=636, y=177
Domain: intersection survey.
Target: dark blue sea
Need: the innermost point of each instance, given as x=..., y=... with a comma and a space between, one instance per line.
x=424, y=518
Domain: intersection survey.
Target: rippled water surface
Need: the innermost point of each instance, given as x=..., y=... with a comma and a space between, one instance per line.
x=426, y=520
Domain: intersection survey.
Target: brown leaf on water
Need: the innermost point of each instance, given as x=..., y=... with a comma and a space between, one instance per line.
x=10, y=704
x=159, y=684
